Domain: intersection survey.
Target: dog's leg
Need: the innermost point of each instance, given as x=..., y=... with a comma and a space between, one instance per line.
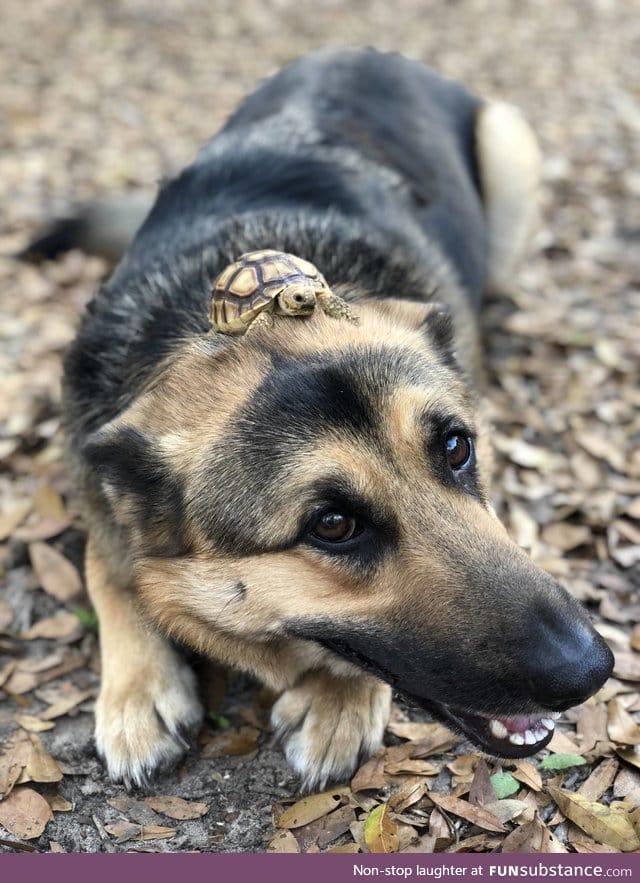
x=330, y=724
x=148, y=701
x=509, y=165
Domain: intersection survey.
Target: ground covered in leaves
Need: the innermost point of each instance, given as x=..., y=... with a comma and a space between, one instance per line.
x=101, y=97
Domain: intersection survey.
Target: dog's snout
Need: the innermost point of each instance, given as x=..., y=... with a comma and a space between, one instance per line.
x=566, y=662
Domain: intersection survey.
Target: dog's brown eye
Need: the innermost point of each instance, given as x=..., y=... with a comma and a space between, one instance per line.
x=333, y=527
x=458, y=450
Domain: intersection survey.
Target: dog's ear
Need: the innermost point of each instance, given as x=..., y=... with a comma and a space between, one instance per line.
x=435, y=319
x=145, y=494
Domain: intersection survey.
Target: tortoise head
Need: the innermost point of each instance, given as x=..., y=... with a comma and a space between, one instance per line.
x=296, y=299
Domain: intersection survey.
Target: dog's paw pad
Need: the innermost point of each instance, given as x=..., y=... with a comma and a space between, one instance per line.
x=143, y=725
x=330, y=725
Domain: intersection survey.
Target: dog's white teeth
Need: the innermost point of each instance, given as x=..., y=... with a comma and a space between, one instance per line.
x=498, y=730
x=540, y=733
x=529, y=738
x=516, y=738
x=548, y=723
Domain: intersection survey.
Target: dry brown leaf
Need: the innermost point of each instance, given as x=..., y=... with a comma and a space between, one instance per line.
x=62, y=625
x=627, y=666
x=232, y=742
x=7, y=670
x=12, y=518
x=284, y=841
x=40, y=766
x=418, y=732
x=66, y=704
x=525, y=772
x=634, y=640
x=566, y=536
x=26, y=677
x=477, y=843
x=14, y=756
x=474, y=814
x=630, y=755
x=380, y=831
x=58, y=803
x=532, y=837
x=591, y=726
x=335, y=825
x=602, y=823
x=123, y=831
x=348, y=848
x=507, y=809
x=56, y=574
x=586, y=846
x=311, y=808
x=409, y=765
x=48, y=503
x=177, y=808
x=32, y=723
x=561, y=744
x=627, y=785
x=6, y=616
x=370, y=776
x=440, y=829
x=407, y=795
x=600, y=779
x=42, y=529
x=621, y=727
x=54, y=846
x=481, y=791
x=25, y=814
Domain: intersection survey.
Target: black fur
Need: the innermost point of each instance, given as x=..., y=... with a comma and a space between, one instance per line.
x=333, y=159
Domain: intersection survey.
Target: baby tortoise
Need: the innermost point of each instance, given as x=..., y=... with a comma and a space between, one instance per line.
x=264, y=283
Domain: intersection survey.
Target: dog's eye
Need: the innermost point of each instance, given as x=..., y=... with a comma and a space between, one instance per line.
x=459, y=449
x=334, y=527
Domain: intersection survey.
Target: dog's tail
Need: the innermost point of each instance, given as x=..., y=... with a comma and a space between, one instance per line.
x=509, y=163
x=103, y=227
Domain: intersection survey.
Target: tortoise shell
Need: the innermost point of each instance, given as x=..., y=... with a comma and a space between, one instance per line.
x=251, y=285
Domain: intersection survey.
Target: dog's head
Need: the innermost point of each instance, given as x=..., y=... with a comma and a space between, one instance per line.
x=327, y=484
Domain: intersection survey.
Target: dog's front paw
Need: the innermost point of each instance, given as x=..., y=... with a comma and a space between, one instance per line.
x=145, y=717
x=330, y=725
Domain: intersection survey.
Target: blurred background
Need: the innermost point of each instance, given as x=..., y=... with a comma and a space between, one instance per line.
x=103, y=97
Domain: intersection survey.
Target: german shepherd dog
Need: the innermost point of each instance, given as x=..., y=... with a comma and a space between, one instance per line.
x=309, y=503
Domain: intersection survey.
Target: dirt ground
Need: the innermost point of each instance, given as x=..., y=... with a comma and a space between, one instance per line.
x=101, y=97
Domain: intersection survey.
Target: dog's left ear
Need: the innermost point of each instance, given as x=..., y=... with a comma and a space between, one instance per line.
x=435, y=319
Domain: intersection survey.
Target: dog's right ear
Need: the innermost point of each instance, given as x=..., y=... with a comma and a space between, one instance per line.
x=145, y=494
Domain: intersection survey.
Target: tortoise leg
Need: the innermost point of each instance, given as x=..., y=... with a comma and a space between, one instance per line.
x=261, y=322
x=336, y=307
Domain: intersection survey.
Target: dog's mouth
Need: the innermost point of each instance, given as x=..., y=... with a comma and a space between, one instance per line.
x=516, y=737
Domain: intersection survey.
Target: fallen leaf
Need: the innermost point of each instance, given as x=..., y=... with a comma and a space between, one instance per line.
x=419, y=732
x=586, y=846
x=232, y=742
x=42, y=529
x=627, y=784
x=310, y=808
x=335, y=824
x=66, y=704
x=477, y=843
x=124, y=831
x=14, y=756
x=370, y=776
x=566, y=536
x=631, y=755
x=61, y=625
x=411, y=765
x=177, y=808
x=349, y=848
x=32, y=673
x=6, y=616
x=48, y=503
x=55, y=847
x=561, y=761
x=506, y=810
x=621, y=727
x=284, y=841
x=591, y=726
x=526, y=773
x=627, y=666
x=604, y=824
x=12, y=518
x=40, y=766
x=32, y=723
x=600, y=780
x=380, y=831
x=56, y=574
x=474, y=814
x=407, y=796
x=58, y=803
x=531, y=837
x=440, y=829
x=25, y=814
x=504, y=785
x=561, y=744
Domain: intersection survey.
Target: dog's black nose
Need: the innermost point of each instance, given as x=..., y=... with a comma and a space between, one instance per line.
x=568, y=661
